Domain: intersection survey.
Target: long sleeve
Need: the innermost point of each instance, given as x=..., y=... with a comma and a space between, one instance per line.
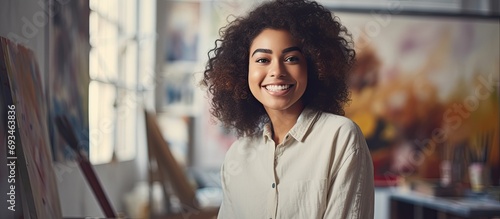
x=351, y=194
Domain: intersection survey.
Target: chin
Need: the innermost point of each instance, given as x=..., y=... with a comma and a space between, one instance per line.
x=284, y=106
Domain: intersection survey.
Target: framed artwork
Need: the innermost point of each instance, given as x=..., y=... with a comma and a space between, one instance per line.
x=424, y=86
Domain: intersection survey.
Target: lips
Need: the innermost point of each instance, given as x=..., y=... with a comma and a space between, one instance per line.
x=278, y=87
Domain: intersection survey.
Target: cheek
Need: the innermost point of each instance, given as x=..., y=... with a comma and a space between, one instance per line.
x=304, y=85
x=255, y=76
x=254, y=80
x=300, y=75
x=302, y=79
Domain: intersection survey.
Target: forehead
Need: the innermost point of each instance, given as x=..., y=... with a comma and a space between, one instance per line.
x=270, y=38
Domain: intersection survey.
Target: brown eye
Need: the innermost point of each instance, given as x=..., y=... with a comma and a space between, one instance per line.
x=261, y=60
x=292, y=59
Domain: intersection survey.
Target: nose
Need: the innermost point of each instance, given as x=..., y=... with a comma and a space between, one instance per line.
x=277, y=70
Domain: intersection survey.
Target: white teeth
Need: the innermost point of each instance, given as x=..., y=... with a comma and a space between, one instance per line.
x=278, y=87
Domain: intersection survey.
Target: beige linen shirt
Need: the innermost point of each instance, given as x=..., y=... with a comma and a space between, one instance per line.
x=323, y=169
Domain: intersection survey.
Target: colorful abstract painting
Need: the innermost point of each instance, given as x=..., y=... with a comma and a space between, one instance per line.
x=424, y=90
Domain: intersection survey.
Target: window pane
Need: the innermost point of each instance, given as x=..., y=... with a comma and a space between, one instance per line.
x=126, y=123
x=101, y=121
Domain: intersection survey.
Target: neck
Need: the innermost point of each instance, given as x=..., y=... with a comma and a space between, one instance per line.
x=282, y=121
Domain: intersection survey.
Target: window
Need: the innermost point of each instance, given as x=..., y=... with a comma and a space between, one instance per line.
x=121, y=70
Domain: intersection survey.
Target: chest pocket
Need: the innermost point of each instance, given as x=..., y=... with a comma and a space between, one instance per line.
x=302, y=199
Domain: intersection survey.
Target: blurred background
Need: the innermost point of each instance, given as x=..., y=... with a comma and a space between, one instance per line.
x=425, y=91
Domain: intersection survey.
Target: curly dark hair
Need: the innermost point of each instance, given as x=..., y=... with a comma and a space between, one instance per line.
x=325, y=43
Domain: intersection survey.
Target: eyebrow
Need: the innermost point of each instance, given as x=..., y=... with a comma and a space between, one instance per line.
x=289, y=49
x=263, y=51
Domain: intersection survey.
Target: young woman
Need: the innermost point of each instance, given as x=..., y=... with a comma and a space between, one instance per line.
x=278, y=77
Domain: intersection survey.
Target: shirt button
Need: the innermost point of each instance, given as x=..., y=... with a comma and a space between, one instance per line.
x=274, y=185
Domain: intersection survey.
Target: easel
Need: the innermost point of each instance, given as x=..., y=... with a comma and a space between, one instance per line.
x=164, y=168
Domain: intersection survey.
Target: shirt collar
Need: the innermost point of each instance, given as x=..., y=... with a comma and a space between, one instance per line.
x=299, y=131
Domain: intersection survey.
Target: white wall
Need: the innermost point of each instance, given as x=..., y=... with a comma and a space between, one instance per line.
x=24, y=21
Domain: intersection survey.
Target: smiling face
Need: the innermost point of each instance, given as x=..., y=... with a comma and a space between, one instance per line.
x=277, y=71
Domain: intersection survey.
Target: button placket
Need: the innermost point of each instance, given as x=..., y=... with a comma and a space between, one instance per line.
x=273, y=199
